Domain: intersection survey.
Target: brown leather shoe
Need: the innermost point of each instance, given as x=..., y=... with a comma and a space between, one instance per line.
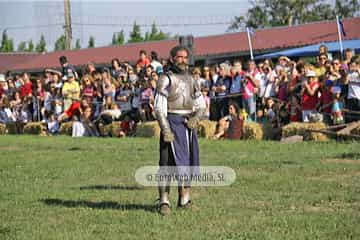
x=164, y=209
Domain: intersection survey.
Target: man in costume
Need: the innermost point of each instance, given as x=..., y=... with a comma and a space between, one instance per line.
x=178, y=107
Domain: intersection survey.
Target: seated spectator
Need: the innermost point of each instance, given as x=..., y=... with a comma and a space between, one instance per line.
x=74, y=111
x=230, y=126
x=6, y=115
x=87, y=88
x=27, y=88
x=127, y=126
x=143, y=59
x=53, y=125
x=84, y=127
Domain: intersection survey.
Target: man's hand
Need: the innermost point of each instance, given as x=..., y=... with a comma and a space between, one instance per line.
x=193, y=122
x=168, y=135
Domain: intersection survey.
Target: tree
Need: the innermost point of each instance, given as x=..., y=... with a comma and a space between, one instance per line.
x=22, y=46
x=7, y=45
x=114, y=39
x=347, y=8
x=121, y=38
x=118, y=38
x=91, y=42
x=60, y=43
x=30, y=47
x=41, y=46
x=135, y=34
x=155, y=34
x=267, y=13
x=77, y=44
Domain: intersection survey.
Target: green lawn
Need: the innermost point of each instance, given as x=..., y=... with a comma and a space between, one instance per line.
x=84, y=188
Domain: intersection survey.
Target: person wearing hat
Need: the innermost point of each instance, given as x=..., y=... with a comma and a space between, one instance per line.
x=70, y=90
x=309, y=95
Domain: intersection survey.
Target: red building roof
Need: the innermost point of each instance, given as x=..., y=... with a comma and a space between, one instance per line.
x=9, y=60
x=219, y=45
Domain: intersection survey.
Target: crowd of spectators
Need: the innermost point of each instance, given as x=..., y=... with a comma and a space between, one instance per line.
x=278, y=93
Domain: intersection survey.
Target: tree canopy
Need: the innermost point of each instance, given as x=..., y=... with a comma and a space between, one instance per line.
x=269, y=13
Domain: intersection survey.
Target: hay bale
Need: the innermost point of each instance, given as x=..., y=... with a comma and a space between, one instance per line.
x=253, y=131
x=2, y=129
x=11, y=128
x=148, y=129
x=207, y=128
x=270, y=133
x=66, y=128
x=355, y=131
x=112, y=129
x=37, y=128
x=115, y=128
x=301, y=129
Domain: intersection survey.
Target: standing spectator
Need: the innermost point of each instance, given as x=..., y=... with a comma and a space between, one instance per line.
x=158, y=68
x=70, y=90
x=326, y=100
x=353, y=97
x=248, y=96
x=321, y=64
x=221, y=89
x=309, y=95
x=349, y=53
x=67, y=68
x=237, y=77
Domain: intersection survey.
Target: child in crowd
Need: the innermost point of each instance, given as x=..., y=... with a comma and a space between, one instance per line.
x=205, y=93
x=294, y=109
x=337, y=106
x=53, y=125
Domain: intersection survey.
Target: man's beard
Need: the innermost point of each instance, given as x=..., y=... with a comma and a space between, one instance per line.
x=179, y=67
x=182, y=66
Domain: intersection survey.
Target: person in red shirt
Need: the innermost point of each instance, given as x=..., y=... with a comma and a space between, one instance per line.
x=144, y=60
x=326, y=100
x=27, y=88
x=309, y=95
x=75, y=109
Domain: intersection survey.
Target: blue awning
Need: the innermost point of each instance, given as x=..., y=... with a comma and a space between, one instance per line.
x=313, y=50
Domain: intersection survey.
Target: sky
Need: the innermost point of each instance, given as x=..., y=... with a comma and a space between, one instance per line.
x=25, y=20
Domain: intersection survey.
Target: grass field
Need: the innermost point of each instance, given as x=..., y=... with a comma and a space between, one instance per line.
x=65, y=188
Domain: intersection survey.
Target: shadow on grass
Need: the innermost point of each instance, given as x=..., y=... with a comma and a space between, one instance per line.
x=98, y=205
x=111, y=187
x=74, y=149
x=349, y=155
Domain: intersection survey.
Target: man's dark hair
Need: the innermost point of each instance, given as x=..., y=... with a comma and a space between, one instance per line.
x=142, y=51
x=178, y=48
x=154, y=55
x=62, y=59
